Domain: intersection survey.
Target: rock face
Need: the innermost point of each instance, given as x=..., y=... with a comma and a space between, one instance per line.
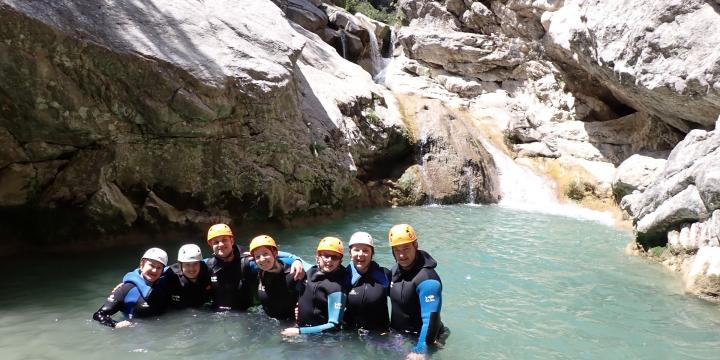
x=452, y=166
x=636, y=173
x=687, y=190
x=485, y=57
x=656, y=63
x=680, y=210
x=182, y=112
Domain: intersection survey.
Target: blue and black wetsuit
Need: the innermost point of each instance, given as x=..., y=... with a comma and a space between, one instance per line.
x=322, y=300
x=135, y=298
x=416, y=297
x=367, y=300
x=235, y=283
x=183, y=293
x=278, y=293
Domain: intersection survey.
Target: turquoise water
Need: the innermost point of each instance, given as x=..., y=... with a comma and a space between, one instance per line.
x=516, y=286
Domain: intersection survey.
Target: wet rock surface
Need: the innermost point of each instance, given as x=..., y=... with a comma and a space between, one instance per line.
x=182, y=113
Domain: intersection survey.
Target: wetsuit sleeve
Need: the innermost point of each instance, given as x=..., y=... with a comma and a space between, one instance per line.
x=430, y=294
x=336, y=307
x=112, y=305
x=284, y=257
x=288, y=259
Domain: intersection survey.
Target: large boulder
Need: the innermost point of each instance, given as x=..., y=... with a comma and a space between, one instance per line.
x=636, y=173
x=453, y=166
x=427, y=13
x=121, y=113
x=686, y=191
x=656, y=63
x=306, y=14
x=489, y=58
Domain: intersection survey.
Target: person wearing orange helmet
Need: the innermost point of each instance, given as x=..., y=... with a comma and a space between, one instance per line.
x=233, y=273
x=415, y=290
x=322, y=298
x=278, y=289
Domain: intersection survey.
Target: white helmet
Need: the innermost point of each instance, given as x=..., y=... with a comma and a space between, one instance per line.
x=361, y=237
x=156, y=254
x=189, y=253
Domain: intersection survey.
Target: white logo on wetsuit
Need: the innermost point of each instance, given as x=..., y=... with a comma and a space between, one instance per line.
x=213, y=278
x=176, y=297
x=429, y=298
x=353, y=292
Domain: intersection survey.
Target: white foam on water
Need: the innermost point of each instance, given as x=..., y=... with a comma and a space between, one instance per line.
x=523, y=189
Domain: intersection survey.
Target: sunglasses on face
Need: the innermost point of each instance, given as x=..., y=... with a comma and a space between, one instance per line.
x=331, y=256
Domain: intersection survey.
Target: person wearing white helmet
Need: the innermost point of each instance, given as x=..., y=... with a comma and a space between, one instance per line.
x=187, y=282
x=367, y=299
x=135, y=298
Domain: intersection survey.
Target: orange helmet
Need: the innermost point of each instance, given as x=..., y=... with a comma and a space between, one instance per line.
x=401, y=234
x=330, y=244
x=218, y=230
x=262, y=240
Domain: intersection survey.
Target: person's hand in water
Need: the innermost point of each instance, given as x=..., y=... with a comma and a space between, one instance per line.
x=415, y=356
x=293, y=331
x=123, y=324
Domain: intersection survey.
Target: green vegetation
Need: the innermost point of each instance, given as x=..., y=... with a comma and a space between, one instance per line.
x=386, y=14
x=657, y=251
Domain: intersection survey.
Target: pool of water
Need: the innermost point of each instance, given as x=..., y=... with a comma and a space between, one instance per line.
x=516, y=285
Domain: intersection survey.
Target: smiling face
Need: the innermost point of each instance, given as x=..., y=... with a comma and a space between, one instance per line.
x=328, y=261
x=405, y=254
x=191, y=270
x=222, y=246
x=361, y=256
x=265, y=257
x=151, y=269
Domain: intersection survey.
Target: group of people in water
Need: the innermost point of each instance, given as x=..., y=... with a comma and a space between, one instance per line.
x=325, y=298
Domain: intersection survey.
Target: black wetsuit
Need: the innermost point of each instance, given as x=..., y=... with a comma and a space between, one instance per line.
x=416, y=297
x=232, y=286
x=367, y=300
x=136, y=298
x=322, y=300
x=278, y=293
x=183, y=293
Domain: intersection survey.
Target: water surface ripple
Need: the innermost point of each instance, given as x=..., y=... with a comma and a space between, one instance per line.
x=517, y=285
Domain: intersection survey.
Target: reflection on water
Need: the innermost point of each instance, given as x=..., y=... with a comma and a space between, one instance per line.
x=517, y=285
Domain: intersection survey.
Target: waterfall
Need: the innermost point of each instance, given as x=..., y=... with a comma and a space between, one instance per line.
x=379, y=63
x=343, y=43
x=470, y=185
x=523, y=189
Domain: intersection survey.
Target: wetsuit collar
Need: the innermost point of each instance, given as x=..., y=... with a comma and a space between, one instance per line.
x=422, y=260
x=355, y=275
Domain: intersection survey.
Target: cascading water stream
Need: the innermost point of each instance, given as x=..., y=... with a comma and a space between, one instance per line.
x=523, y=189
x=379, y=63
x=343, y=43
